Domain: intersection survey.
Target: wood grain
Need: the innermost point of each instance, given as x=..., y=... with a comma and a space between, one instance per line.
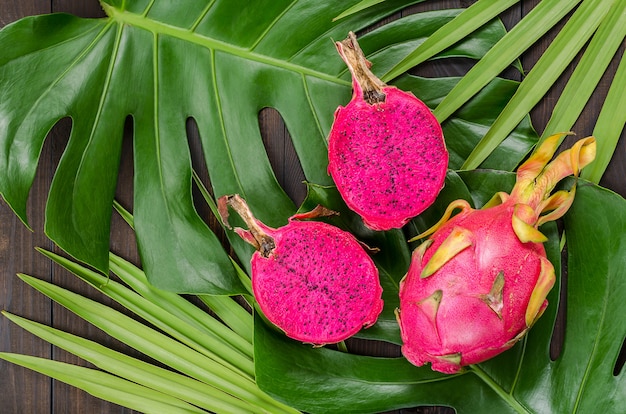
x=24, y=391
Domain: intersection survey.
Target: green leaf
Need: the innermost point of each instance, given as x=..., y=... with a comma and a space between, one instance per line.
x=105, y=386
x=185, y=311
x=230, y=313
x=595, y=330
x=609, y=125
x=522, y=36
x=169, y=312
x=362, y=5
x=521, y=380
x=157, y=345
x=483, y=184
x=161, y=63
x=324, y=380
x=468, y=126
x=589, y=70
x=132, y=369
x=570, y=40
x=387, y=44
x=465, y=23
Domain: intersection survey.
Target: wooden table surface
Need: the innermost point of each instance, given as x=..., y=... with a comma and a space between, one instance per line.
x=23, y=391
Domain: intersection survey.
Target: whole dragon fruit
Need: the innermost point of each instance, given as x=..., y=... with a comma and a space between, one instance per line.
x=311, y=279
x=386, y=150
x=480, y=281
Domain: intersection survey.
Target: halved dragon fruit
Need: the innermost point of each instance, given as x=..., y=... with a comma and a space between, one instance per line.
x=386, y=150
x=311, y=279
x=477, y=285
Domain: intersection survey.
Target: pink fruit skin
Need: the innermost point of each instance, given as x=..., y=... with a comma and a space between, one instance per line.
x=464, y=323
x=318, y=285
x=389, y=159
x=386, y=150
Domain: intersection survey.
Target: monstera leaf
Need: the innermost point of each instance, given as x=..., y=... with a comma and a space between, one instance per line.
x=161, y=63
x=585, y=377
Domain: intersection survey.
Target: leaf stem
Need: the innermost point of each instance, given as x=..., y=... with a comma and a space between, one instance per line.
x=105, y=386
x=610, y=122
x=180, y=307
x=498, y=390
x=159, y=346
x=456, y=30
x=209, y=340
x=143, y=22
x=143, y=373
x=567, y=44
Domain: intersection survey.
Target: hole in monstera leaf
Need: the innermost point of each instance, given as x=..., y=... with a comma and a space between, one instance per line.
x=425, y=410
x=451, y=67
x=199, y=166
x=282, y=154
x=369, y=347
x=58, y=138
x=50, y=154
x=120, y=233
x=621, y=359
x=124, y=190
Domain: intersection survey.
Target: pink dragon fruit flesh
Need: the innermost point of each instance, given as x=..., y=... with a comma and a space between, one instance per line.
x=386, y=150
x=312, y=280
x=480, y=281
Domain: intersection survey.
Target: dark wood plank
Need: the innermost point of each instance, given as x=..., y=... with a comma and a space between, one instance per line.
x=24, y=390
x=28, y=392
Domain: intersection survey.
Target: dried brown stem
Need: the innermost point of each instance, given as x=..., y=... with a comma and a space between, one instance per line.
x=255, y=235
x=351, y=53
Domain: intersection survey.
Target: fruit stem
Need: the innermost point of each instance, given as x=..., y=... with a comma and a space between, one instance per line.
x=365, y=84
x=255, y=235
x=341, y=346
